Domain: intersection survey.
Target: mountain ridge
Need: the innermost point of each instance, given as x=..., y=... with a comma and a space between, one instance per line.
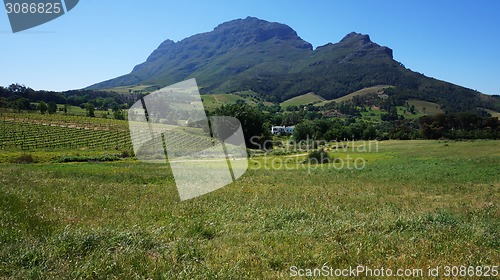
x=271, y=59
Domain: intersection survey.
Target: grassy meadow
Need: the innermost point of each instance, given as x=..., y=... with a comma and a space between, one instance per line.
x=378, y=90
x=214, y=101
x=302, y=100
x=414, y=204
x=425, y=107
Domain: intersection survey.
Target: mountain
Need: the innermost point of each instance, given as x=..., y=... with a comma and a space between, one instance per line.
x=238, y=49
x=271, y=59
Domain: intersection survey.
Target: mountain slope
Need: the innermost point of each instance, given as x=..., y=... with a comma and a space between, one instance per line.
x=271, y=59
x=215, y=57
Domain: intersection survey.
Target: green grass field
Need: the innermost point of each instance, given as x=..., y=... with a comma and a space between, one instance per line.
x=301, y=100
x=77, y=111
x=373, y=115
x=415, y=204
x=128, y=89
x=214, y=101
x=362, y=92
x=427, y=108
x=402, y=111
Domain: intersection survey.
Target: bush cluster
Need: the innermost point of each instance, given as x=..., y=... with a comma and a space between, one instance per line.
x=318, y=156
x=100, y=158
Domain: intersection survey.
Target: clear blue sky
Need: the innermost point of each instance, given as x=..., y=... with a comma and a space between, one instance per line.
x=456, y=41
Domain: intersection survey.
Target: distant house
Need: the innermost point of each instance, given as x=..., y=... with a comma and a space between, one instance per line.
x=282, y=129
x=277, y=129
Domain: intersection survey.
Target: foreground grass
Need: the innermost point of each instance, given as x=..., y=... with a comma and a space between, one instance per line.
x=415, y=204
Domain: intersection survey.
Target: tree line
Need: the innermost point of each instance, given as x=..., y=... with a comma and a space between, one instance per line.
x=314, y=126
x=452, y=126
x=20, y=97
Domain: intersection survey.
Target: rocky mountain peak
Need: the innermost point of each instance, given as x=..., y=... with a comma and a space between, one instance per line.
x=252, y=30
x=362, y=45
x=356, y=37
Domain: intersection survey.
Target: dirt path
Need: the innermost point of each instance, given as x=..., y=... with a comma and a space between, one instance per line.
x=299, y=155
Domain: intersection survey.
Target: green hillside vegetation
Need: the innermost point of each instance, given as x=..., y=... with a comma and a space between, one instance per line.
x=301, y=100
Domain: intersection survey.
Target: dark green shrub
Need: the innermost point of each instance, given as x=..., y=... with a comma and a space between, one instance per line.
x=318, y=156
x=101, y=158
x=127, y=154
x=24, y=159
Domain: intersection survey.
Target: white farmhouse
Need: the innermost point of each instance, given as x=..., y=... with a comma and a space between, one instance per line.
x=282, y=129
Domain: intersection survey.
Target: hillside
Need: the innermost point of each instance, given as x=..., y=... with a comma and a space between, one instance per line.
x=300, y=100
x=214, y=101
x=378, y=90
x=425, y=107
x=271, y=59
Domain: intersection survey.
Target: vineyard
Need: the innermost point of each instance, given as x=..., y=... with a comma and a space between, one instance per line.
x=36, y=131
x=29, y=132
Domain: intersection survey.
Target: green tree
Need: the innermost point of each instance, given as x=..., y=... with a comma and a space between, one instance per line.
x=306, y=130
x=118, y=112
x=52, y=108
x=257, y=134
x=369, y=133
x=90, y=110
x=21, y=104
x=43, y=107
